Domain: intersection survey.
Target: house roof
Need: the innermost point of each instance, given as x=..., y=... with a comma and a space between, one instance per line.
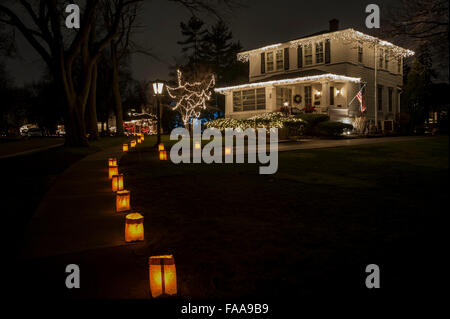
x=346, y=34
x=289, y=40
x=281, y=76
x=286, y=80
x=290, y=75
x=139, y=116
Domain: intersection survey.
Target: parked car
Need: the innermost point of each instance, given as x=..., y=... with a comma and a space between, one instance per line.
x=24, y=129
x=34, y=132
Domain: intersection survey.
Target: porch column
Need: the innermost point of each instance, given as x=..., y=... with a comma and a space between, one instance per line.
x=350, y=98
x=326, y=94
x=271, y=98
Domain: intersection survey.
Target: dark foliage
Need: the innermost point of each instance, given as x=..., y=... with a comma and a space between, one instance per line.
x=332, y=129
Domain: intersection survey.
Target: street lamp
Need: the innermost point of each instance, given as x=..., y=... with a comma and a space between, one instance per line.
x=158, y=89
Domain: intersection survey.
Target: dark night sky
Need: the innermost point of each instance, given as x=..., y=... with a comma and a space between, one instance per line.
x=261, y=22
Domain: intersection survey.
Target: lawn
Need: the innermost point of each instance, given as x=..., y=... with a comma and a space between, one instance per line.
x=309, y=229
x=26, y=178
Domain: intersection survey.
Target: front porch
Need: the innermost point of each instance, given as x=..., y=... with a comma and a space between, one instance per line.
x=321, y=94
x=319, y=97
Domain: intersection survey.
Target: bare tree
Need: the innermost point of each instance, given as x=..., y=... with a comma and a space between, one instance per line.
x=91, y=108
x=120, y=48
x=41, y=24
x=59, y=49
x=421, y=22
x=123, y=45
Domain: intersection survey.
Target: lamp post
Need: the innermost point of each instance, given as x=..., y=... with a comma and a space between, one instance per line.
x=157, y=89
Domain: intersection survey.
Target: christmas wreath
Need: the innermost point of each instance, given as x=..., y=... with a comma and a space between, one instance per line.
x=298, y=99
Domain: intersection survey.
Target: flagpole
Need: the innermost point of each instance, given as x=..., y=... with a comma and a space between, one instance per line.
x=362, y=87
x=375, y=87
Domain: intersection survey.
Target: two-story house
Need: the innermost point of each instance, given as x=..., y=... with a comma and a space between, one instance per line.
x=322, y=72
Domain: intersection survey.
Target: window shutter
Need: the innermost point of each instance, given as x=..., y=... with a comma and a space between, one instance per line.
x=327, y=51
x=299, y=57
x=263, y=63
x=286, y=58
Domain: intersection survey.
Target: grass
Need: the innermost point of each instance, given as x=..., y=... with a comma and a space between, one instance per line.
x=309, y=229
x=27, y=178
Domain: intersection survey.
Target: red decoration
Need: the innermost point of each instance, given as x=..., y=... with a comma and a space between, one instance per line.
x=129, y=126
x=309, y=108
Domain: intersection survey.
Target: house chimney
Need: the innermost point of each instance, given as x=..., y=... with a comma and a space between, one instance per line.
x=334, y=25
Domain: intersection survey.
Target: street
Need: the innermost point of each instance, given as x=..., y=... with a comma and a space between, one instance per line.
x=11, y=149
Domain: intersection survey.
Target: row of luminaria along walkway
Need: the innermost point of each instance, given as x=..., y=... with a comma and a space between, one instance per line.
x=162, y=272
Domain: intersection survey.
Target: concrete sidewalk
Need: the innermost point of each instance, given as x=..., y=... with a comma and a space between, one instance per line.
x=78, y=212
x=309, y=144
x=316, y=143
x=12, y=149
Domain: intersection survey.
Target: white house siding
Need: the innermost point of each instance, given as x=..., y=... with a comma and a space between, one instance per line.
x=344, y=61
x=384, y=78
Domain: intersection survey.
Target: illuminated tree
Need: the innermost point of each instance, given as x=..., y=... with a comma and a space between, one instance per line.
x=191, y=98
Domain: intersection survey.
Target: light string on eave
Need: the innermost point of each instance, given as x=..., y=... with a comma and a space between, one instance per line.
x=349, y=35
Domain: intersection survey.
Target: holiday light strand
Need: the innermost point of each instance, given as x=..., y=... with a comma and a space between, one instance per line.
x=329, y=77
x=349, y=35
x=191, y=97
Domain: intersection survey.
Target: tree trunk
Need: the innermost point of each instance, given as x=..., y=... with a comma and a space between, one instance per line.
x=116, y=90
x=91, y=114
x=75, y=121
x=74, y=126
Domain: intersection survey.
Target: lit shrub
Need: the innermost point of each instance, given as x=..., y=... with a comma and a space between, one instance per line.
x=265, y=120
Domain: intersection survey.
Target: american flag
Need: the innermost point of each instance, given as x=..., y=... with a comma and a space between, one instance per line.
x=360, y=98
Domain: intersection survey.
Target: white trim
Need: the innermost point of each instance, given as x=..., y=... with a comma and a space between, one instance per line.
x=328, y=76
x=347, y=34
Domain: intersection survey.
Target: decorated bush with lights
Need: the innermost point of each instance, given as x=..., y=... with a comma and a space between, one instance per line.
x=266, y=120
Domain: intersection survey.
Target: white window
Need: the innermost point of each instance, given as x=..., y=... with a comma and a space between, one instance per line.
x=380, y=58
x=308, y=54
x=249, y=100
x=269, y=61
x=261, y=99
x=360, y=52
x=380, y=97
x=319, y=52
x=390, y=94
x=279, y=57
x=308, y=96
x=386, y=59
x=284, y=95
x=237, y=101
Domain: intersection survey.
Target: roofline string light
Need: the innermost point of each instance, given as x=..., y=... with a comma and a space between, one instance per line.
x=343, y=35
x=329, y=77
